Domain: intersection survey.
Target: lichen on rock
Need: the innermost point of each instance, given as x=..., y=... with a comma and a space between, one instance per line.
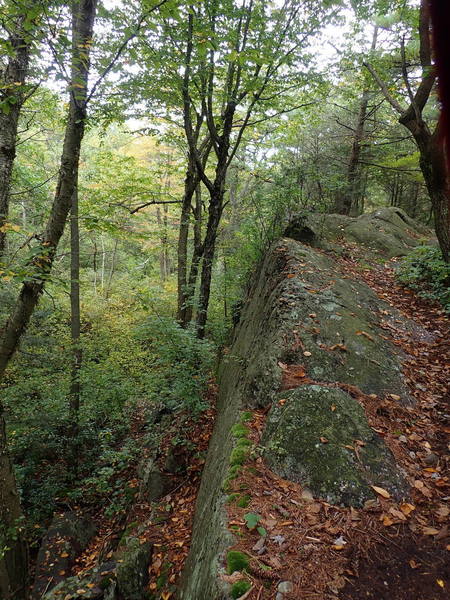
x=320, y=437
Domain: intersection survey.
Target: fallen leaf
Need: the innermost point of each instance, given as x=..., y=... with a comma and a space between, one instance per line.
x=413, y=564
x=387, y=521
x=397, y=514
x=381, y=491
x=307, y=353
x=324, y=440
x=440, y=583
x=365, y=334
x=395, y=397
x=430, y=531
x=407, y=508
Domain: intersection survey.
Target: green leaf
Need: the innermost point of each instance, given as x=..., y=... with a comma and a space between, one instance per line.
x=252, y=520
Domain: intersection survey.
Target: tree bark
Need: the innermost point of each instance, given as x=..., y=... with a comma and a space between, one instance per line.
x=12, y=97
x=75, y=331
x=209, y=248
x=350, y=197
x=196, y=255
x=190, y=183
x=12, y=562
x=431, y=148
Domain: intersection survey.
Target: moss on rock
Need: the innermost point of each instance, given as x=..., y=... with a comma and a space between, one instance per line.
x=321, y=437
x=236, y=561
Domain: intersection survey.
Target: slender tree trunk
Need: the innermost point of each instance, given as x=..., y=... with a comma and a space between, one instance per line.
x=13, y=559
x=350, y=198
x=434, y=170
x=209, y=247
x=12, y=95
x=190, y=183
x=196, y=255
x=112, y=268
x=13, y=548
x=75, y=330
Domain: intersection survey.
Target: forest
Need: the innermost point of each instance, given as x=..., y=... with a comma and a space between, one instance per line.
x=224, y=299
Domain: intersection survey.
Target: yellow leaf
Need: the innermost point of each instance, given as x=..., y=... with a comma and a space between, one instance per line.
x=381, y=491
x=64, y=555
x=440, y=583
x=407, y=508
x=81, y=591
x=387, y=521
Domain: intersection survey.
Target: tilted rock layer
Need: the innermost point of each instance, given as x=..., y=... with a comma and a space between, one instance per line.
x=305, y=333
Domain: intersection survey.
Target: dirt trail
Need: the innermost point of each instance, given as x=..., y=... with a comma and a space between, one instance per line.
x=413, y=562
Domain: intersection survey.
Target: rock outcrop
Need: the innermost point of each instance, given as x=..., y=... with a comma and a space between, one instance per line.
x=388, y=231
x=307, y=334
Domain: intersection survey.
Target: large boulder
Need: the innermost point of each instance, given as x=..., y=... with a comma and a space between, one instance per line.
x=304, y=321
x=319, y=436
x=388, y=231
x=125, y=577
x=68, y=534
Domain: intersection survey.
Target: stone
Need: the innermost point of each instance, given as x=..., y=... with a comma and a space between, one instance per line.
x=153, y=483
x=295, y=449
x=285, y=587
x=68, y=534
x=132, y=568
x=302, y=315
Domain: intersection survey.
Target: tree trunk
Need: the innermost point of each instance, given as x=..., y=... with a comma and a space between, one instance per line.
x=349, y=201
x=75, y=330
x=209, y=248
x=12, y=561
x=11, y=97
x=190, y=183
x=434, y=170
x=196, y=255
x=433, y=167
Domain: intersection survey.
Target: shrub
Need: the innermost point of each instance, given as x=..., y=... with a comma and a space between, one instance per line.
x=425, y=271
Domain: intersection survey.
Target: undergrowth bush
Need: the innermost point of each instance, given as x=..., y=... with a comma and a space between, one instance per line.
x=425, y=271
x=180, y=366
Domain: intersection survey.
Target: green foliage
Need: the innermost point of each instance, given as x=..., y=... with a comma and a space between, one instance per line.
x=239, y=588
x=244, y=501
x=425, y=271
x=238, y=456
x=180, y=365
x=236, y=561
x=252, y=520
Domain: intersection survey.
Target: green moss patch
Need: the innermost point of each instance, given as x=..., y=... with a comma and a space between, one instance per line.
x=239, y=588
x=236, y=561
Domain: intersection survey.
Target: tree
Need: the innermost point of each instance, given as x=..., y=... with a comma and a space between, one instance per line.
x=228, y=65
x=432, y=156
x=13, y=574
x=20, y=21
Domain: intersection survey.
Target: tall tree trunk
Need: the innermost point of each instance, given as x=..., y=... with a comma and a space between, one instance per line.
x=434, y=170
x=13, y=548
x=12, y=96
x=196, y=255
x=431, y=145
x=190, y=183
x=12, y=560
x=75, y=330
x=350, y=198
x=209, y=248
